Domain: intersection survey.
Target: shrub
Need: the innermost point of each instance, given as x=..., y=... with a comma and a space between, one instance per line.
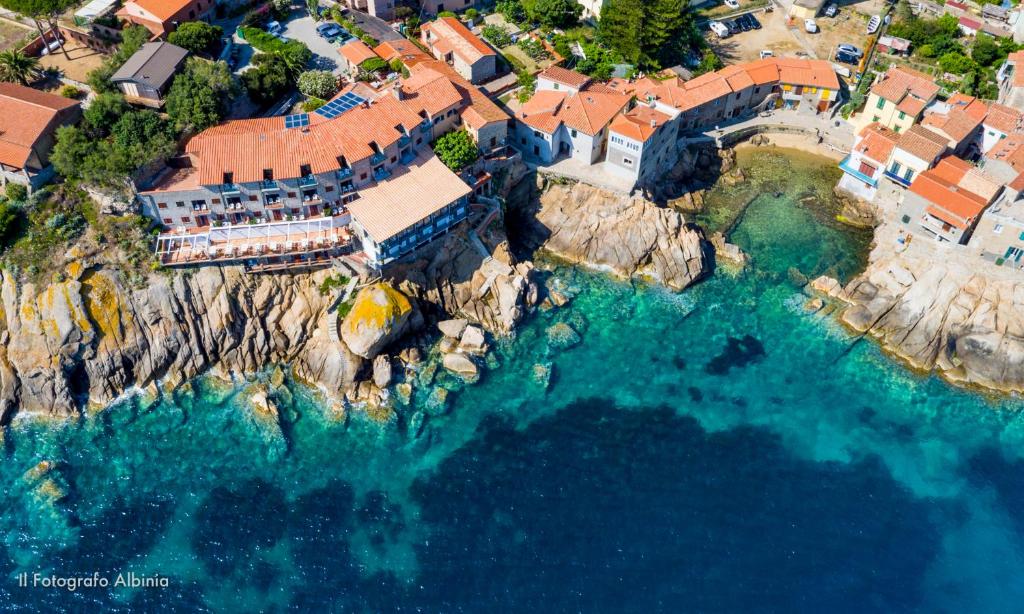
x=16, y=192
x=457, y=150
x=318, y=83
x=70, y=91
x=196, y=36
x=313, y=104
x=497, y=36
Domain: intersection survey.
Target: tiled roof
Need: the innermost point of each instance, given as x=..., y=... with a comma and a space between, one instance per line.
x=246, y=147
x=1017, y=60
x=1009, y=150
x=567, y=77
x=25, y=115
x=974, y=107
x=401, y=48
x=588, y=111
x=969, y=23
x=412, y=193
x=922, y=143
x=639, y=123
x=456, y=38
x=900, y=83
x=947, y=200
x=1003, y=118
x=162, y=9
x=356, y=52
x=876, y=142
x=957, y=124
x=431, y=91
x=484, y=110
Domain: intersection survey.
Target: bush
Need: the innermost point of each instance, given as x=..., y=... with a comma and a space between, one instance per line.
x=16, y=192
x=295, y=54
x=457, y=150
x=533, y=48
x=196, y=36
x=313, y=104
x=70, y=91
x=268, y=80
x=497, y=36
x=373, y=65
x=318, y=83
x=201, y=95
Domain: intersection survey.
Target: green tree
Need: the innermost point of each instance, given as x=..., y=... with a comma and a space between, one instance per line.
x=9, y=214
x=985, y=51
x=318, y=83
x=16, y=67
x=139, y=128
x=196, y=36
x=622, y=28
x=201, y=95
x=511, y=10
x=557, y=13
x=957, y=63
x=268, y=80
x=104, y=111
x=457, y=150
x=709, y=62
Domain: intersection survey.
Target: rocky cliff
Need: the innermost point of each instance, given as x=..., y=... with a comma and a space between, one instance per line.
x=966, y=322
x=630, y=236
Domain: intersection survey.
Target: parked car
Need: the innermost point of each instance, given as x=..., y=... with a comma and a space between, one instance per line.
x=742, y=23
x=274, y=27
x=847, y=58
x=767, y=53
x=810, y=25
x=849, y=49
x=733, y=27
x=720, y=29
x=733, y=4
x=753, y=21
x=831, y=10
x=329, y=30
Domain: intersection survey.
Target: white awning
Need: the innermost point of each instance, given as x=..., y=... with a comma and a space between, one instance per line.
x=95, y=9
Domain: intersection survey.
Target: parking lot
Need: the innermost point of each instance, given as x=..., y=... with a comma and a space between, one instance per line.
x=784, y=36
x=302, y=27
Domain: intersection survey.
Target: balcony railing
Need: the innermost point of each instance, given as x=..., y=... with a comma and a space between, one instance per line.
x=404, y=141
x=348, y=187
x=377, y=158
x=344, y=173
x=857, y=174
x=408, y=156
x=900, y=180
x=268, y=185
x=307, y=181
x=230, y=188
x=381, y=173
x=425, y=125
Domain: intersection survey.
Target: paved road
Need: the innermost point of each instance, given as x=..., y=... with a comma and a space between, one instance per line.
x=834, y=132
x=377, y=28
x=301, y=27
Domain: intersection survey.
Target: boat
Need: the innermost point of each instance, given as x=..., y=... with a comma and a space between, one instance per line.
x=874, y=23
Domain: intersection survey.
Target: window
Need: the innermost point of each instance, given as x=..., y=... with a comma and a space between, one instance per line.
x=161, y=205
x=328, y=189
x=215, y=201
x=874, y=119
x=881, y=103
x=362, y=176
x=268, y=174
x=903, y=115
x=627, y=161
x=291, y=194
x=168, y=221
x=394, y=159
x=556, y=86
x=186, y=219
x=1022, y=236
x=998, y=229
x=573, y=132
x=909, y=174
x=253, y=198
x=895, y=128
x=895, y=168
x=179, y=203
x=305, y=170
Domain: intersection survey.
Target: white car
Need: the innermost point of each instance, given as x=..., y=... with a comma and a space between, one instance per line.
x=766, y=53
x=719, y=28
x=810, y=25
x=733, y=4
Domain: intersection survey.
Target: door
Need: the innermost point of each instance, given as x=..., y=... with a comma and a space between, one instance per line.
x=202, y=220
x=277, y=215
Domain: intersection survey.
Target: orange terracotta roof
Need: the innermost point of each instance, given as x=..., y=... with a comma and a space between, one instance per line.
x=639, y=123
x=922, y=143
x=952, y=169
x=431, y=91
x=1003, y=118
x=1009, y=150
x=566, y=77
x=26, y=115
x=356, y=52
x=589, y=110
x=952, y=191
x=972, y=106
x=246, y=147
x=402, y=48
x=957, y=124
x=900, y=83
x=1016, y=59
x=454, y=37
x=876, y=142
x=485, y=110
x=162, y=9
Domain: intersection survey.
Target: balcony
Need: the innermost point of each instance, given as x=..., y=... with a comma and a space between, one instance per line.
x=404, y=141
x=377, y=158
x=231, y=188
x=425, y=125
x=269, y=185
x=408, y=156
x=348, y=187
x=308, y=181
x=344, y=173
x=381, y=174
x=849, y=170
x=900, y=180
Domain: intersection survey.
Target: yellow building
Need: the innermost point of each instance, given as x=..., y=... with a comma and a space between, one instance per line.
x=899, y=99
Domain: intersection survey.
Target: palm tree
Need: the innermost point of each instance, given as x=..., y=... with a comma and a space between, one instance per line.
x=16, y=67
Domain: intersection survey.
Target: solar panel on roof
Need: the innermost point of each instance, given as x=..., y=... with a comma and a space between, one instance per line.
x=340, y=105
x=299, y=120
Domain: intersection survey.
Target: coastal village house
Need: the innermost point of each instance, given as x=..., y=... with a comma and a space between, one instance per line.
x=946, y=202
x=356, y=175
x=864, y=167
x=354, y=53
x=898, y=99
x=916, y=150
x=147, y=75
x=1011, y=81
x=28, y=122
x=568, y=116
x=451, y=42
x=642, y=141
x=161, y=17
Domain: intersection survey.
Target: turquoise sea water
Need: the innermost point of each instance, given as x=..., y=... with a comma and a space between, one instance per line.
x=718, y=450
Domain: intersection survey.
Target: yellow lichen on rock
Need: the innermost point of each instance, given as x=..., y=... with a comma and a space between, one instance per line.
x=102, y=303
x=376, y=306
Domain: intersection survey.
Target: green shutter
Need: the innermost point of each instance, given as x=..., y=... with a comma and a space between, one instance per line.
x=881, y=103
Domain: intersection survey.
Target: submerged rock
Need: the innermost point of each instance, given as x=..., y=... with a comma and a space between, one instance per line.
x=462, y=365
x=561, y=336
x=542, y=374
x=437, y=402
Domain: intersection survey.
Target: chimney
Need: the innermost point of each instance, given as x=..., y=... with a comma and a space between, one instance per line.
x=396, y=89
x=654, y=124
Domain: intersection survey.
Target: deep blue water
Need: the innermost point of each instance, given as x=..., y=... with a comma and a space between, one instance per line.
x=716, y=450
